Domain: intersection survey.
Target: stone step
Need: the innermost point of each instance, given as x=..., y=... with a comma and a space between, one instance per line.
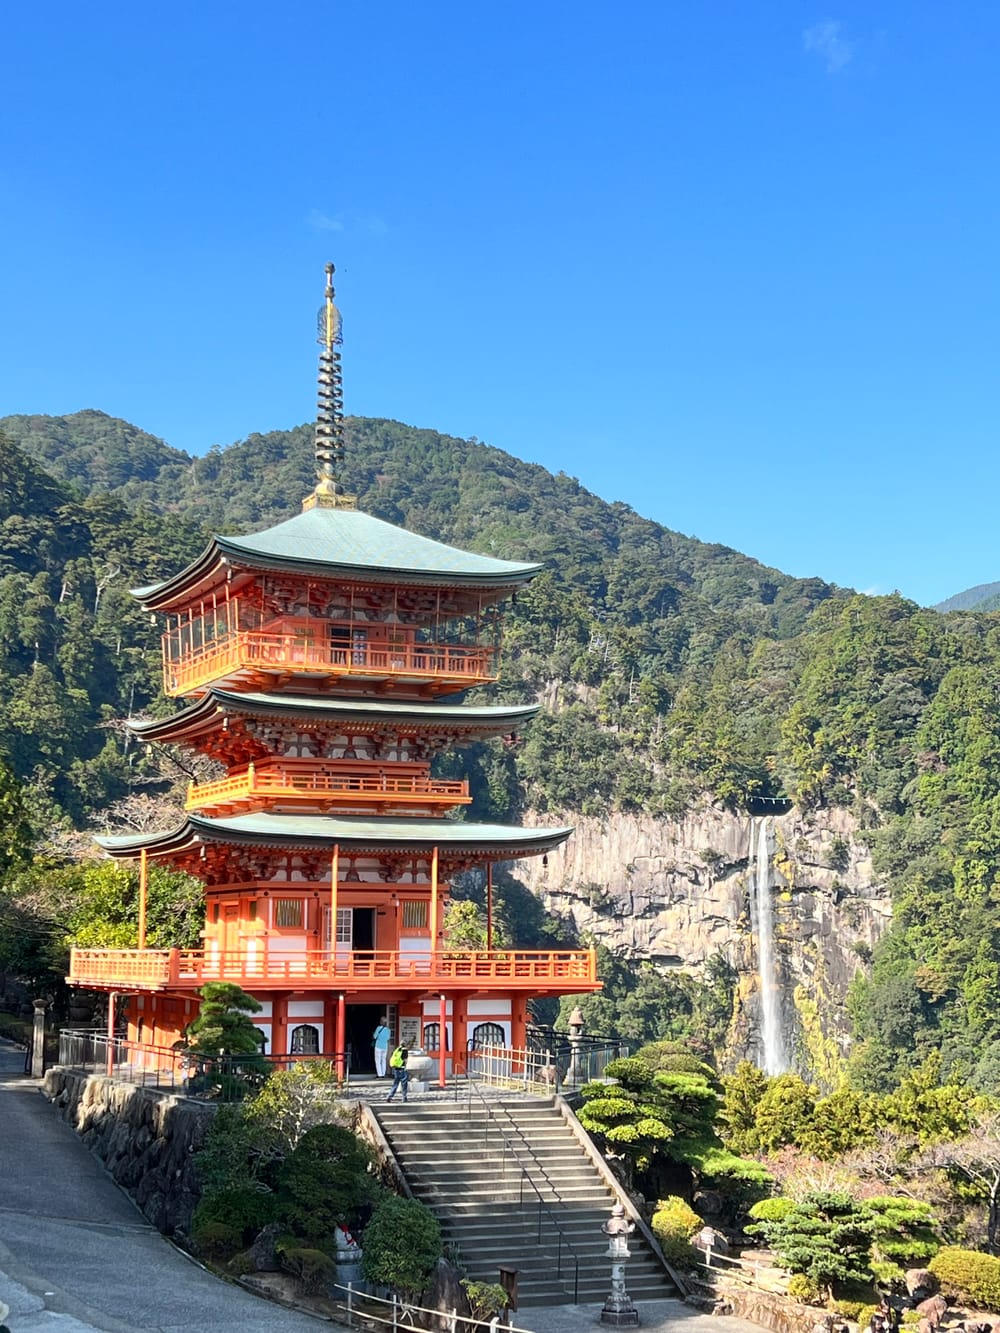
x=455, y=1163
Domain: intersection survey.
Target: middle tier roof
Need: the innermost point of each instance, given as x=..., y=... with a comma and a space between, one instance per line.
x=361, y=715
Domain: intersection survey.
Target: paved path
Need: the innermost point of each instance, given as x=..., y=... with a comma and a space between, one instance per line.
x=76, y=1255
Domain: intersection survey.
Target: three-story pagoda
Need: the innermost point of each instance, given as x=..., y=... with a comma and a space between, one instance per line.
x=324, y=662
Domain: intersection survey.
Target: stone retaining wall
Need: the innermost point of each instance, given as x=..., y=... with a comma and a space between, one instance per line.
x=145, y=1139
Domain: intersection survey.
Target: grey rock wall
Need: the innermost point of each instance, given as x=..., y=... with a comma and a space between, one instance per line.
x=146, y=1140
x=675, y=892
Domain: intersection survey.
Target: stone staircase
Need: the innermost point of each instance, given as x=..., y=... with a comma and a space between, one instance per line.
x=512, y=1187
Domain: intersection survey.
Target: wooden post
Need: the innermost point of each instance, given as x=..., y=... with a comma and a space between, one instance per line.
x=143, y=887
x=341, y=1052
x=110, y=1064
x=489, y=907
x=334, y=877
x=442, y=1040
x=434, y=901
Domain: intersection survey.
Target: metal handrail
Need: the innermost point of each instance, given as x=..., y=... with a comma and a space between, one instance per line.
x=173, y=1069
x=543, y=1208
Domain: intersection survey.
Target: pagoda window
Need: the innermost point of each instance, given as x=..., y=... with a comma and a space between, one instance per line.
x=432, y=1037
x=416, y=914
x=289, y=913
x=345, y=925
x=488, y=1034
x=305, y=1040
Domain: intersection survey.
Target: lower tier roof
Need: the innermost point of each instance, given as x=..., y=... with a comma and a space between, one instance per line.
x=377, y=835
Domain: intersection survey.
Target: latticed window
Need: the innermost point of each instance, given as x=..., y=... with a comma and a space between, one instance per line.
x=345, y=925
x=432, y=1037
x=305, y=1040
x=416, y=914
x=288, y=912
x=488, y=1034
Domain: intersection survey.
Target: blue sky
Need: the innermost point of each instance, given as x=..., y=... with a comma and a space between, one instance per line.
x=734, y=264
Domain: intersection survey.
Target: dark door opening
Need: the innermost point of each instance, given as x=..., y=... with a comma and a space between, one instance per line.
x=362, y=1020
x=363, y=928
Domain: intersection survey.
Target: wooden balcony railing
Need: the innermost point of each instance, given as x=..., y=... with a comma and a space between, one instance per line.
x=562, y=970
x=248, y=653
x=312, y=783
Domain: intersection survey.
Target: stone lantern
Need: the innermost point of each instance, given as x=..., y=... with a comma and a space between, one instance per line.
x=618, y=1310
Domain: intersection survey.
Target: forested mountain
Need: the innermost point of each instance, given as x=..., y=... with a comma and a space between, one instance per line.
x=983, y=597
x=672, y=672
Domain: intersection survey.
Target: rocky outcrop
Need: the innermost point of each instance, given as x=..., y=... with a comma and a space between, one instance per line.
x=146, y=1140
x=676, y=892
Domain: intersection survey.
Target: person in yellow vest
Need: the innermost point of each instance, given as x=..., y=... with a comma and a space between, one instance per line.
x=400, y=1076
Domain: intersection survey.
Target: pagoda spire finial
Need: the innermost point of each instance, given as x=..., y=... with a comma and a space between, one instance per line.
x=329, y=434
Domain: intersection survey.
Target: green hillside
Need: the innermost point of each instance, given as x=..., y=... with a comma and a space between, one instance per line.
x=677, y=670
x=983, y=597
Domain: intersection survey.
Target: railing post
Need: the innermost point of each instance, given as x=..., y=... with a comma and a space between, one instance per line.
x=395, y=1313
x=173, y=966
x=350, y=1303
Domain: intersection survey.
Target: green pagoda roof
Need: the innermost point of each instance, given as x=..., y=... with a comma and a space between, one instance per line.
x=330, y=542
x=375, y=834
x=485, y=719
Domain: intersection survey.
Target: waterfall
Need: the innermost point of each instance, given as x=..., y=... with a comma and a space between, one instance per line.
x=775, y=1059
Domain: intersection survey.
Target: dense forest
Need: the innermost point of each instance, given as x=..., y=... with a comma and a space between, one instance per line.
x=673, y=672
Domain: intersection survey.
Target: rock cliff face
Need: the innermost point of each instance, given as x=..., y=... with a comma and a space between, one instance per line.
x=677, y=892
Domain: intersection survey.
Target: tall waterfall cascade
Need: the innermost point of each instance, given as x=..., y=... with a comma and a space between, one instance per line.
x=774, y=1054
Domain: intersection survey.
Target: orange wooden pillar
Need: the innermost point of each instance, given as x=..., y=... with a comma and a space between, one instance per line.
x=110, y=1066
x=143, y=886
x=489, y=906
x=341, y=1051
x=434, y=902
x=443, y=1039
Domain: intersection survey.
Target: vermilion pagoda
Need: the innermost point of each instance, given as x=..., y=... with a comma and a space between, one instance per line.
x=324, y=660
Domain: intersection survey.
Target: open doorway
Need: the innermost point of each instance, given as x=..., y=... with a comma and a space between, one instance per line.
x=362, y=1020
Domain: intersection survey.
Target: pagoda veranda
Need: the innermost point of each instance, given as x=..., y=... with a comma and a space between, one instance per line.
x=323, y=662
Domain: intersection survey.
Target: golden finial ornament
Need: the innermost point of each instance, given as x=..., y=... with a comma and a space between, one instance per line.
x=329, y=432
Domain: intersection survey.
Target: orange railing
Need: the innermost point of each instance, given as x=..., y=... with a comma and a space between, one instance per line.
x=189, y=668
x=156, y=969
x=309, y=782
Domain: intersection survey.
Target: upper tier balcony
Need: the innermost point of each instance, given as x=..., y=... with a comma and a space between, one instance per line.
x=556, y=971
x=206, y=651
x=314, y=784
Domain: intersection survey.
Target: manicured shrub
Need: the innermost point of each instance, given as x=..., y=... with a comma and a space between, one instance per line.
x=216, y=1240
x=401, y=1244
x=312, y=1268
x=804, y=1290
x=324, y=1183
x=673, y=1224
x=771, y=1210
x=858, y=1312
x=243, y=1209
x=970, y=1275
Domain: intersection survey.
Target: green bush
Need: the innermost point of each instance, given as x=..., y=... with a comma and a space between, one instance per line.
x=241, y=1264
x=244, y=1209
x=324, y=1183
x=216, y=1240
x=673, y=1224
x=485, y=1298
x=401, y=1244
x=312, y=1268
x=772, y=1210
x=858, y=1312
x=804, y=1290
x=969, y=1275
